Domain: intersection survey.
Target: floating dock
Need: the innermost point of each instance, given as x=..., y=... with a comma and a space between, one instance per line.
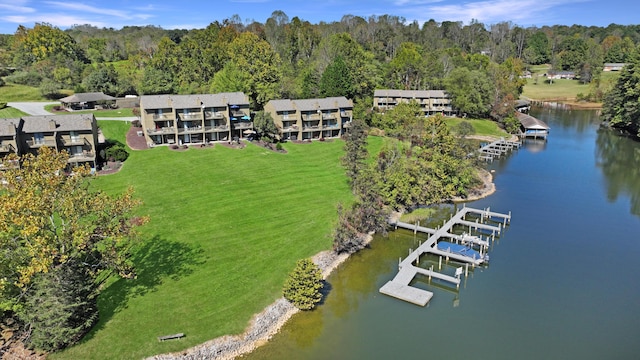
x=496, y=149
x=462, y=250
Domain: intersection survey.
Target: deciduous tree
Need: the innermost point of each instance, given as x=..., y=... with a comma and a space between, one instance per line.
x=57, y=238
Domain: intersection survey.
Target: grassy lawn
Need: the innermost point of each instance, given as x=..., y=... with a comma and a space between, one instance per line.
x=9, y=112
x=226, y=228
x=15, y=92
x=114, y=130
x=115, y=113
x=482, y=126
x=561, y=89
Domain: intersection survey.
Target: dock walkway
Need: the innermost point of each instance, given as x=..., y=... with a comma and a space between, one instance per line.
x=494, y=150
x=399, y=287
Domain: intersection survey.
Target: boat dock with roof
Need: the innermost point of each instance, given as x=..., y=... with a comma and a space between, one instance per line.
x=464, y=248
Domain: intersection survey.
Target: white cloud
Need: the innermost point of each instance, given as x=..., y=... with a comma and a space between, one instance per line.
x=16, y=7
x=58, y=20
x=88, y=9
x=488, y=12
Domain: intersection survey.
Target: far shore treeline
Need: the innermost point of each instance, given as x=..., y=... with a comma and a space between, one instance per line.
x=293, y=58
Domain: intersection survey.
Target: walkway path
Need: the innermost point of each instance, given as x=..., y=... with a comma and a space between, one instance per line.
x=33, y=108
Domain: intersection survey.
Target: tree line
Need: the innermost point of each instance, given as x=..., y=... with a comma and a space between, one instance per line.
x=292, y=58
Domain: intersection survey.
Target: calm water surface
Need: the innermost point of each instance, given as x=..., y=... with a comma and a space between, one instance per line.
x=563, y=282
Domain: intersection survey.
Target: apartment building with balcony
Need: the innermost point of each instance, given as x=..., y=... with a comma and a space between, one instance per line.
x=75, y=134
x=195, y=119
x=311, y=119
x=431, y=101
x=9, y=139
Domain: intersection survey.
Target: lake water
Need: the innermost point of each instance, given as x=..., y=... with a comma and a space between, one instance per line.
x=563, y=282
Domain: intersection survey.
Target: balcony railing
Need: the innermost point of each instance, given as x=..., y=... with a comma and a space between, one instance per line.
x=328, y=116
x=188, y=130
x=310, y=127
x=191, y=116
x=83, y=156
x=161, y=131
x=344, y=114
x=217, y=128
x=7, y=148
x=290, y=128
x=331, y=126
x=74, y=140
x=243, y=125
x=213, y=115
x=310, y=117
x=237, y=113
x=40, y=143
x=162, y=117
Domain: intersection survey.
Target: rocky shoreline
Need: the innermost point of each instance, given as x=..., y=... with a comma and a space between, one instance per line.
x=268, y=322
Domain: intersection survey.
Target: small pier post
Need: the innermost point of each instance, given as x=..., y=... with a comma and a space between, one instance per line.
x=466, y=270
x=439, y=262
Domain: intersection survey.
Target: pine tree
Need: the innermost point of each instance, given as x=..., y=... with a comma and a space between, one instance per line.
x=302, y=287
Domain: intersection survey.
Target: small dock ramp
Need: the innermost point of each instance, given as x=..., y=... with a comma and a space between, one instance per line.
x=399, y=288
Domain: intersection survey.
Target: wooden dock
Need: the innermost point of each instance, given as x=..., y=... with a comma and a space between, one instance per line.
x=496, y=149
x=399, y=287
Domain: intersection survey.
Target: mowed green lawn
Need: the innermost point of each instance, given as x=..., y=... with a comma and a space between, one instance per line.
x=226, y=227
x=10, y=113
x=481, y=126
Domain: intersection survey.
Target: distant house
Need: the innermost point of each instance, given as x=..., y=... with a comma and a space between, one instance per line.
x=195, y=119
x=526, y=75
x=85, y=101
x=431, y=101
x=77, y=134
x=309, y=119
x=555, y=75
x=613, y=66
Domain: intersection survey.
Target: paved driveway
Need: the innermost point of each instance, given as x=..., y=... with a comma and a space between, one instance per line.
x=32, y=108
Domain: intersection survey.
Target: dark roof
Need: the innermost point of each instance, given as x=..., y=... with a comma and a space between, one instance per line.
x=410, y=94
x=86, y=97
x=337, y=102
x=529, y=122
x=8, y=127
x=522, y=103
x=43, y=123
x=193, y=101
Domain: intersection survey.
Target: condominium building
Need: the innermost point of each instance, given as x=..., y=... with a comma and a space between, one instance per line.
x=188, y=119
x=431, y=101
x=309, y=119
x=76, y=134
x=8, y=137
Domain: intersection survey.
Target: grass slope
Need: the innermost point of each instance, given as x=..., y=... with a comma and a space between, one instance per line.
x=226, y=228
x=9, y=113
x=14, y=92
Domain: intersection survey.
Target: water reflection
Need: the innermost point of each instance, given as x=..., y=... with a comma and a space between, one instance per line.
x=619, y=159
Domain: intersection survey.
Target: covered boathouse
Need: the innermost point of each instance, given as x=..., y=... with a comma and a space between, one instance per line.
x=532, y=127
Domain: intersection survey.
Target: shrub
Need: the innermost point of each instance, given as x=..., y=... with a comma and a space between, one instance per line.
x=279, y=147
x=465, y=128
x=1, y=81
x=3, y=105
x=30, y=78
x=302, y=287
x=117, y=153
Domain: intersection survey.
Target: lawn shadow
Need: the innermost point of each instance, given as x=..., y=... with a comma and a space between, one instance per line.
x=156, y=261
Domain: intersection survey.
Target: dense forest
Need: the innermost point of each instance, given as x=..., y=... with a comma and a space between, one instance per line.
x=479, y=64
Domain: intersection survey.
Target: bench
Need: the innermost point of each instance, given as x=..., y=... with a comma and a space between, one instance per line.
x=170, y=337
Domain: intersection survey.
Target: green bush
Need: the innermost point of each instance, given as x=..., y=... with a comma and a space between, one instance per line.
x=117, y=153
x=302, y=287
x=3, y=105
x=29, y=78
x=279, y=146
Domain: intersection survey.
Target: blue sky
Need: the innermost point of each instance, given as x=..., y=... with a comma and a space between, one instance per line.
x=189, y=14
